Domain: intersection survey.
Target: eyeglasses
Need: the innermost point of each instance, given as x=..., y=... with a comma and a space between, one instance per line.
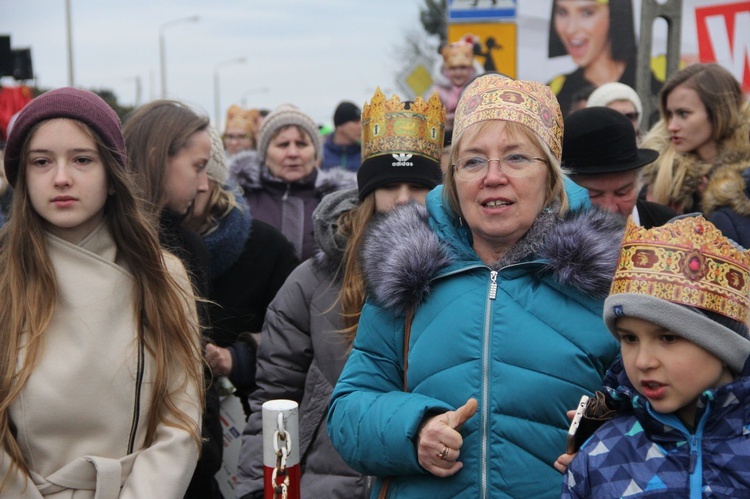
x=229, y=137
x=513, y=165
x=632, y=116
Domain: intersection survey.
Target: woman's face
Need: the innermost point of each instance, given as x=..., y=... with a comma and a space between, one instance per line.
x=500, y=209
x=186, y=173
x=290, y=155
x=689, y=124
x=583, y=28
x=236, y=139
x=386, y=198
x=66, y=179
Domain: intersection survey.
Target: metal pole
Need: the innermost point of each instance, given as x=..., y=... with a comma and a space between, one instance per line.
x=217, y=105
x=671, y=12
x=217, y=89
x=163, y=65
x=68, y=25
x=138, y=91
x=163, y=50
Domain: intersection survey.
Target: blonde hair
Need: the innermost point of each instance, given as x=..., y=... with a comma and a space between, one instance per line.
x=27, y=277
x=220, y=203
x=555, y=187
x=352, y=224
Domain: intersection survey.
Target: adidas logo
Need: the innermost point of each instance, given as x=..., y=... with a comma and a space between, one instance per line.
x=402, y=160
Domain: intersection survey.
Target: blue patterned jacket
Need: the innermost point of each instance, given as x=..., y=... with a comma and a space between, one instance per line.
x=642, y=453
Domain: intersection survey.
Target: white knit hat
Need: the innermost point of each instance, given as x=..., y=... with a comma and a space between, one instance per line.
x=610, y=92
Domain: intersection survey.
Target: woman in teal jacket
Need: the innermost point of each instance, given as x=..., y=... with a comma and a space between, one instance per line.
x=503, y=285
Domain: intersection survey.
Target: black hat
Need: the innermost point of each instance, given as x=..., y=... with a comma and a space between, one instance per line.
x=601, y=140
x=346, y=112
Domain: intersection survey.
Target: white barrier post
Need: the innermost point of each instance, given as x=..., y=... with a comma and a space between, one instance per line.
x=281, y=470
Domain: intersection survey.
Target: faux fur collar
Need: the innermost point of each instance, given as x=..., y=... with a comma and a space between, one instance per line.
x=402, y=254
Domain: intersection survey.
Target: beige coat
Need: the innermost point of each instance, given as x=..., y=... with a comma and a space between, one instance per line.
x=75, y=414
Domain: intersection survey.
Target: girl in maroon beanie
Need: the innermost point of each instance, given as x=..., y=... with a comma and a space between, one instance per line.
x=100, y=363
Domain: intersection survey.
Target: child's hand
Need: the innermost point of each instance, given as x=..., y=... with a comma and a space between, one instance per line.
x=563, y=461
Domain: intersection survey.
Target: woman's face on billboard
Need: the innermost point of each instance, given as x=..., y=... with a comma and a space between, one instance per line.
x=583, y=28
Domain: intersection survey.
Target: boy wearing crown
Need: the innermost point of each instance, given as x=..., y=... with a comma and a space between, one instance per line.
x=679, y=307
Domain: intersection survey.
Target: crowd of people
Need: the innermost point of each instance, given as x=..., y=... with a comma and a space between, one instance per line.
x=436, y=283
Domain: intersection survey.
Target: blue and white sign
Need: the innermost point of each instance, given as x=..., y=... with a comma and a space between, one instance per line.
x=481, y=10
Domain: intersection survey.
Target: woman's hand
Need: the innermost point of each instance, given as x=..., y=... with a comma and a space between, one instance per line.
x=219, y=359
x=439, y=440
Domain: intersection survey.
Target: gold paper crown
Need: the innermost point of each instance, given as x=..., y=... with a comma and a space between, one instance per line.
x=688, y=261
x=388, y=127
x=497, y=97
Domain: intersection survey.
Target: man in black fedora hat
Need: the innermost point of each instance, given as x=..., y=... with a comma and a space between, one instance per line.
x=600, y=152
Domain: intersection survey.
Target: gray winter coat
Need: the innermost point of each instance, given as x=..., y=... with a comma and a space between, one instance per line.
x=300, y=358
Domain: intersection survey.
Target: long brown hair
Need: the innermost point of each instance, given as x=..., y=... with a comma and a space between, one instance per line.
x=27, y=278
x=154, y=133
x=352, y=224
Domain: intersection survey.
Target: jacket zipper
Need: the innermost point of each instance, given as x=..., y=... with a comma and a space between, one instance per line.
x=695, y=466
x=486, y=376
x=286, y=193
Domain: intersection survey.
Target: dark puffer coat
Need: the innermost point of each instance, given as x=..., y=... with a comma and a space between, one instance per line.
x=300, y=357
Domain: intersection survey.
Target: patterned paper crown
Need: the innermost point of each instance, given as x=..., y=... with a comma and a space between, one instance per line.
x=392, y=127
x=688, y=261
x=497, y=97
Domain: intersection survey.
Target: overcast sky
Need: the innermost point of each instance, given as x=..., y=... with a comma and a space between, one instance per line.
x=312, y=53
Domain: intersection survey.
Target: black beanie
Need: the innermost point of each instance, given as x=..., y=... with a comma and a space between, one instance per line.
x=379, y=171
x=346, y=112
x=71, y=103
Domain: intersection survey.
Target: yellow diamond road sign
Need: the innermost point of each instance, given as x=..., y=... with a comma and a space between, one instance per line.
x=418, y=79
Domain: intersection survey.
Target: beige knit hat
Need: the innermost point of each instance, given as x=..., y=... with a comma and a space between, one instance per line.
x=285, y=115
x=217, y=168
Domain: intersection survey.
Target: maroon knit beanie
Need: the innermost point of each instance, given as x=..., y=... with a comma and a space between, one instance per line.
x=72, y=103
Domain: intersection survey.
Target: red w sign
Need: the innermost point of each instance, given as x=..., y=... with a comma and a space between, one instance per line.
x=724, y=37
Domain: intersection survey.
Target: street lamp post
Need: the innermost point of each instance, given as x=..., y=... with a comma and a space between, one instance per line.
x=217, y=92
x=69, y=33
x=163, y=50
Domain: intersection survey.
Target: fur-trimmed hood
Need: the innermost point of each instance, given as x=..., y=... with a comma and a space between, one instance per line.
x=730, y=187
x=250, y=174
x=331, y=242
x=406, y=249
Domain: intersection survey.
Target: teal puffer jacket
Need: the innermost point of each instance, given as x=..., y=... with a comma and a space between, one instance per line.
x=526, y=351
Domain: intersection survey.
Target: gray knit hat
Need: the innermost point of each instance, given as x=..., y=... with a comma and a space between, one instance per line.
x=282, y=116
x=687, y=277
x=217, y=168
